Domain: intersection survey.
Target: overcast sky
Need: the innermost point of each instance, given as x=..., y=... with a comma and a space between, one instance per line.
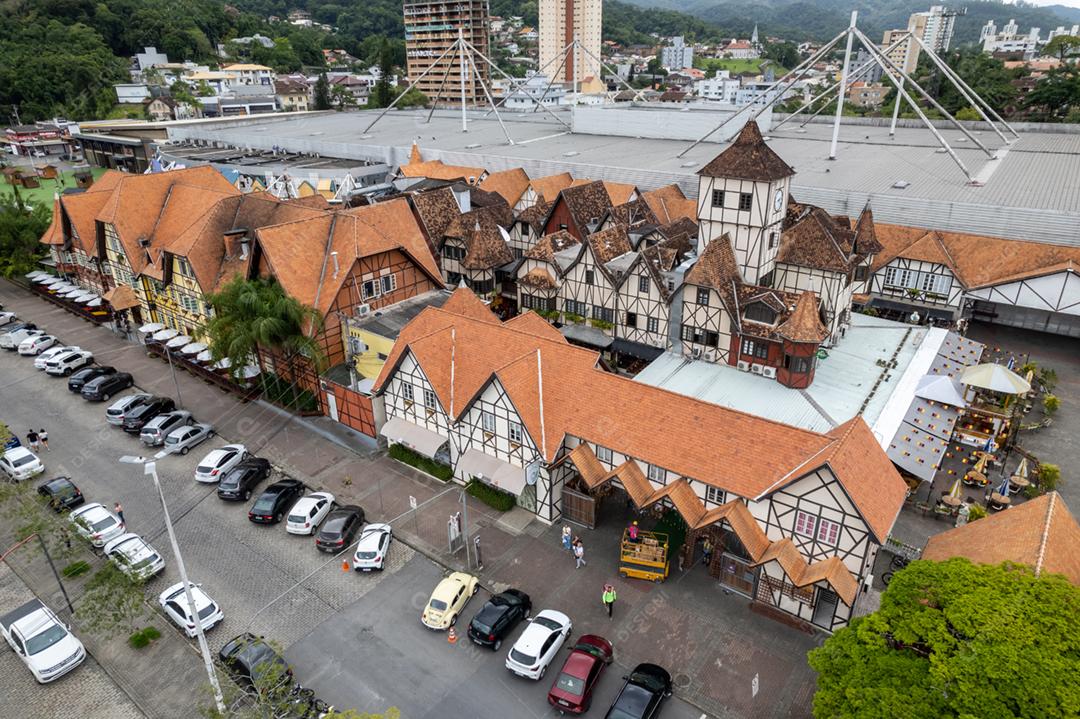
x=1070, y=3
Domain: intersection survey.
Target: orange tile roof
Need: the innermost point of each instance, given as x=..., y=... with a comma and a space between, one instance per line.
x=299, y=252
x=979, y=260
x=83, y=207
x=669, y=203
x=510, y=184
x=54, y=233
x=1040, y=533
x=529, y=321
x=619, y=192
x=436, y=170
x=465, y=302
x=547, y=188
x=584, y=401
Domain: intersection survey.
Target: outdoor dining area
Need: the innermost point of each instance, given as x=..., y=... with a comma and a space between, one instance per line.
x=187, y=353
x=70, y=296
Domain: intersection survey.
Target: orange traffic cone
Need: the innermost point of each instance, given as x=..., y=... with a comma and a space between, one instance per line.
x=451, y=636
x=344, y=565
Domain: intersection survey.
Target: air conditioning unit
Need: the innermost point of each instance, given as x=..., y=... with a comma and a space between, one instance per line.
x=695, y=353
x=710, y=355
x=744, y=366
x=769, y=372
x=363, y=310
x=757, y=368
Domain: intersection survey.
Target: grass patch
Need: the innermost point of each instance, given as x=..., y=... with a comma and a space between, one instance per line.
x=734, y=66
x=44, y=193
x=438, y=470
x=75, y=569
x=494, y=498
x=143, y=637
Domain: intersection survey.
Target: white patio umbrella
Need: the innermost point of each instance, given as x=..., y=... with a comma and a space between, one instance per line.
x=994, y=377
x=84, y=297
x=203, y=356
x=96, y=302
x=166, y=334
x=177, y=342
x=152, y=327
x=223, y=363
x=43, y=277
x=55, y=282
x=72, y=292
x=250, y=371
x=193, y=348
x=33, y=275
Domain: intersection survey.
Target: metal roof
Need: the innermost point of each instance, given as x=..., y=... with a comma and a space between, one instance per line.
x=1031, y=192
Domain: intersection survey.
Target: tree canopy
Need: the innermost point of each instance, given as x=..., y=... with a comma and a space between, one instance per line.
x=954, y=639
x=21, y=228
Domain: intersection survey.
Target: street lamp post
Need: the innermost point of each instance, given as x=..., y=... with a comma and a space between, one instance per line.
x=150, y=467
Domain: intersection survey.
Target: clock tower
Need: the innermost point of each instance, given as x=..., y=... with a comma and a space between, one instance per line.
x=743, y=193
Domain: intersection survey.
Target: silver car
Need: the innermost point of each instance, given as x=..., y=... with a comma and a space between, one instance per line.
x=96, y=524
x=133, y=556
x=154, y=432
x=182, y=439
x=115, y=413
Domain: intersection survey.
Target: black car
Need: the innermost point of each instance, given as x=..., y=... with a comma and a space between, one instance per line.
x=498, y=617
x=275, y=501
x=61, y=493
x=642, y=693
x=78, y=380
x=237, y=483
x=102, y=387
x=136, y=419
x=253, y=662
x=339, y=528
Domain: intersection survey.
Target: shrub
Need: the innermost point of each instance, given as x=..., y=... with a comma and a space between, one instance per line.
x=573, y=319
x=1049, y=474
x=143, y=637
x=1051, y=404
x=1048, y=379
x=1031, y=491
x=549, y=315
x=492, y=497
x=976, y=511
x=75, y=569
x=601, y=324
x=438, y=470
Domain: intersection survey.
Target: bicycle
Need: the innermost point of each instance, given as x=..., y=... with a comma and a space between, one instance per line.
x=898, y=562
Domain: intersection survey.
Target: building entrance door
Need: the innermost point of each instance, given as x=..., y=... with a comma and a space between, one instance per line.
x=578, y=507
x=737, y=574
x=824, y=608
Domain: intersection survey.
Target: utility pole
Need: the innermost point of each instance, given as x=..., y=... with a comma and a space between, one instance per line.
x=150, y=468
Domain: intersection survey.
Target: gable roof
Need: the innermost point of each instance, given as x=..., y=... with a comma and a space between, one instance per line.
x=485, y=244
x=510, y=184
x=299, y=253
x=619, y=192
x=748, y=158
x=465, y=303
x=436, y=209
x=812, y=238
x=632, y=214
x=865, y=240
x=656, y=426
x=1040, y=533
x=81, y=209
x=535, y=215
x=529, y=321
x=436, y=170
x=548, y=187
x=668, y=203
x=585, y=203
x=717, y=269
x=54, y=233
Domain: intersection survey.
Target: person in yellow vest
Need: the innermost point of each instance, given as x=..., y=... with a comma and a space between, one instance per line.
x=609, y=598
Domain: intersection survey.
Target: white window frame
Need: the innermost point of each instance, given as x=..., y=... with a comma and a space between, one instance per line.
x=371, y=289
x=652, y=324
x=407, y=391
x=714, y=494
x=430, y=400
x=515, y=432
x=828, y=532
x=805, y=524
x=389, y=284
x=603, y=454
x=657, y=474
x=487, y=422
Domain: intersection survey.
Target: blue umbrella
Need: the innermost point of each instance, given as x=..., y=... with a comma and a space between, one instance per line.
x=1003, y=490
x=1012, y=362
x=990, y=445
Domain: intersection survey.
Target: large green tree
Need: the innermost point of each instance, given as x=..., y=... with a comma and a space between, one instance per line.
x=953, y=639
x=21, y=228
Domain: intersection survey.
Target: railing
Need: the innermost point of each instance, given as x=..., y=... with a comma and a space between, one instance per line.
x=247, y=393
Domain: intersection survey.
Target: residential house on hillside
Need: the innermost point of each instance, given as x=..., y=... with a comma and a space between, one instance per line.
x=513, y=405
x=293, y=95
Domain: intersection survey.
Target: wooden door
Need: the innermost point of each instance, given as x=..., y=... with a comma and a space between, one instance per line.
x=578, y=508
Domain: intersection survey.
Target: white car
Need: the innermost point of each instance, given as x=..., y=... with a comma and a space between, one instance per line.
x=373, y=547
x=97, y=524
x=12, y=340
x=67, y=362
x=42, y=641
x=538, y=644
x=219, y=461
x=134, y=556
x=36, y=345
x=115, y=413
x=174, y=603
x=19, y=463
x=43, y=359
x=308, y=512
x=6, y=317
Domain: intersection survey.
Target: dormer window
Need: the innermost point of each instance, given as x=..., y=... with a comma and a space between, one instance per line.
x=760, y=312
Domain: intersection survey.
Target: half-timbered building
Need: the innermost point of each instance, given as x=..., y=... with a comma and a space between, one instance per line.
x=588, y=291
x=543, y=189
x=513, y=405
x=578, y=209
x=540, y=274
x=643, y=302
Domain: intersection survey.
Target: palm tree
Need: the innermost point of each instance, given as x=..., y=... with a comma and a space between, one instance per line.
x=250, y=315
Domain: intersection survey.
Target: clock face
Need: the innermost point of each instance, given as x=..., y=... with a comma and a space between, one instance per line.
x=778, y=200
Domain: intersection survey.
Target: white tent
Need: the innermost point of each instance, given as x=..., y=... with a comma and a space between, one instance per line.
x=994, y=377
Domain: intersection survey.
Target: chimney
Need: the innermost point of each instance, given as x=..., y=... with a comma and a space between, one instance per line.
x=464, y=199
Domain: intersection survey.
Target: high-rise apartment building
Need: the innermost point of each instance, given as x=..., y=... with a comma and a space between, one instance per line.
x=431, y=26
x=905, y=55
x=561, y=22
x=934, y=28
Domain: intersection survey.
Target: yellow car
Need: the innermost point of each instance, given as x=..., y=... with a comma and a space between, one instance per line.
x=448, y=599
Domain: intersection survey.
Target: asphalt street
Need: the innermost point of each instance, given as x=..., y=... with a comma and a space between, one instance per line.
x=355, y=639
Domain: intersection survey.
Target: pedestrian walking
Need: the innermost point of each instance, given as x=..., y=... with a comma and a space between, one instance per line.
x=566, y=538
x=579, y=555
x=43, y=437
x=609, y=598
x=32, y=440
x=119, y=509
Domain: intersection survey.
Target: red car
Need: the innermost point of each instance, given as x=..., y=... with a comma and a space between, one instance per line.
x=573, y=688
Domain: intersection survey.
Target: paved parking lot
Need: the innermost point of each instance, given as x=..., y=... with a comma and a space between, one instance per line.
x=355, y=639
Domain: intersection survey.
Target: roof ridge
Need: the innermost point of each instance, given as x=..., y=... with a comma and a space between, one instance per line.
x=1045, y=533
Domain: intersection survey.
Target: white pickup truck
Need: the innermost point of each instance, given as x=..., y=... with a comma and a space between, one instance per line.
x=42, y=641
